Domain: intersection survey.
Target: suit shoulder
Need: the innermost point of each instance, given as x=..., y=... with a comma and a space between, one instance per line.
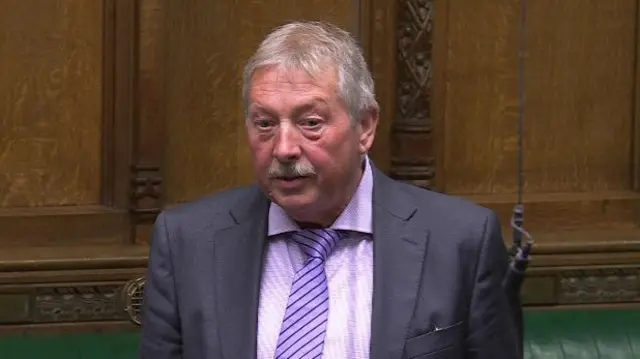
x=445, y=204
x=454, y=220
x=449, y=213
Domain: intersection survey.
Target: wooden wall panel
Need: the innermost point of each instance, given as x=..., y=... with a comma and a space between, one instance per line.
x=210, y=42
x=65, y=133
x=579, y=88
x=151, y=99
x=580, y=114
x=480, y=119
x=580, y=130
x=580, y=95
x=69, y=152
x=151, y=65
x=455, y=129
x=50, y=112
x=202, y=111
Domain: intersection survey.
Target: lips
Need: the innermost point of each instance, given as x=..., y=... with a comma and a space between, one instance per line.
x=289, y=178
x=290, y=182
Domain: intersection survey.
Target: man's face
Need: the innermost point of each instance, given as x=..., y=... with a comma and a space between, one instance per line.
x=306, y=151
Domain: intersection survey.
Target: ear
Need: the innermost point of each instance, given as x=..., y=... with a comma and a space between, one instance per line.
x=367, y=129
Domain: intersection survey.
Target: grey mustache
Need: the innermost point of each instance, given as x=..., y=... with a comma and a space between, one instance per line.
x=291, y=170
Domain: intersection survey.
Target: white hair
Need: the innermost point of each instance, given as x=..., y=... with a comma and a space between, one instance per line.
x=313, y=47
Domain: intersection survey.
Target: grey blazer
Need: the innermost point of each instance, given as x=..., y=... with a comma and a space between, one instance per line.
x=438, y=266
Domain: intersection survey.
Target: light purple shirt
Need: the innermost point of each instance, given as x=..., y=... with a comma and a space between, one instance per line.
x=349, y=271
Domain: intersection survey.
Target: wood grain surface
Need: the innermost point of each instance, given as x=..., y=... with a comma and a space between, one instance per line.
x=50, y=102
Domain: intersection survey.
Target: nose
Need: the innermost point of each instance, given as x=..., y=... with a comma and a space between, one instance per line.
x=287, y=147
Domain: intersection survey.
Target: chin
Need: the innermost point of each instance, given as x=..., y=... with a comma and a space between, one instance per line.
x=293, y=203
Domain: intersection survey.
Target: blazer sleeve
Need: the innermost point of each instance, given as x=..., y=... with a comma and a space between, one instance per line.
x=492, y=331
x=161, y=334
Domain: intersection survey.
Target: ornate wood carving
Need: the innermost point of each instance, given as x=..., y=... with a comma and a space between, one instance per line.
x=132, y=296
x=119, y=300
x=66, y=288
x=606, y=285
x=79, y=303
x=146, y=200
x=413, y=158
x=582, y=286
x=48, y=304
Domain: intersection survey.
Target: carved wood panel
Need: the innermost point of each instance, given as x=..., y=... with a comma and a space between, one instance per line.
x=412, y=148
x=583, y=286
x=66, y=288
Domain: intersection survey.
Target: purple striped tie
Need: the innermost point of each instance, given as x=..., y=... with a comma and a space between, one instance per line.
x=305, y=319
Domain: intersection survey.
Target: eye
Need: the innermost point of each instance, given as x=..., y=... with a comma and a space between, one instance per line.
x=311, y=123
x=263, y=124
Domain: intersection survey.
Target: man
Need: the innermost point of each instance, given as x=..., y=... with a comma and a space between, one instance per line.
x=326, y=257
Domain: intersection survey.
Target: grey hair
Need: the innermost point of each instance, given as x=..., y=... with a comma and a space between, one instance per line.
x=313, y=47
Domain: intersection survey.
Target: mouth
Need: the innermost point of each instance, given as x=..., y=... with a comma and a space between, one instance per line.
x=291, y=182
x=290, y=178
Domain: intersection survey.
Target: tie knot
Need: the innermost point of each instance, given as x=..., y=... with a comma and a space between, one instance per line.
x=317, y=243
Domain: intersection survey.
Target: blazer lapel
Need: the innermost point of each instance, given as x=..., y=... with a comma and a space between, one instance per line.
x=238, y=265
x=399, y=252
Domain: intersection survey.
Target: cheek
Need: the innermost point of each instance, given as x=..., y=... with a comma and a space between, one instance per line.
x=344, y=146
x=261, y=154
x=335, y=156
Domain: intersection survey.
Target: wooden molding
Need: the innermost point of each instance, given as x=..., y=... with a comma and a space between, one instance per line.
x=115, y=326
x=146, y=174
x=42, y=264
x=55, y=290
x=378, y=39
x=56, y=303
x=119, y=99
x=636, y=109
x=65, y=225
x=58, y=286
x=558, y=212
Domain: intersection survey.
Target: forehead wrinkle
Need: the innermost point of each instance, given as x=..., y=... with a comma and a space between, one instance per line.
x=298, y=75
x=303, y=105
x=276, y=89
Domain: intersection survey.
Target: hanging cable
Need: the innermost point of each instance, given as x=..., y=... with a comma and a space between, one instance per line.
x=518, y=250
x=521, y=100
